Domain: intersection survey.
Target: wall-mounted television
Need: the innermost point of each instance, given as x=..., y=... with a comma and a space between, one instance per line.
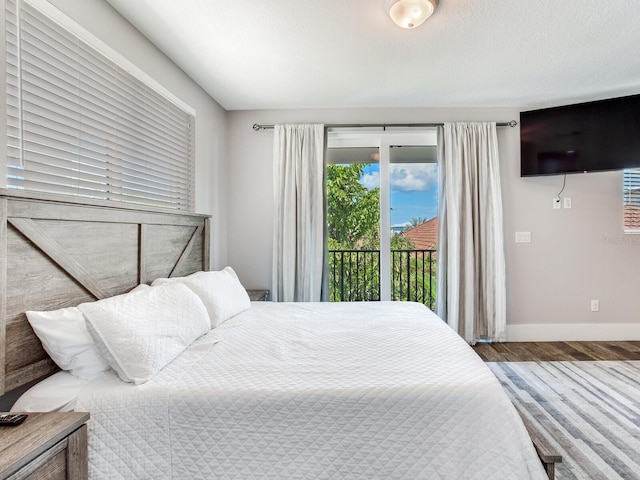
x=585, y=137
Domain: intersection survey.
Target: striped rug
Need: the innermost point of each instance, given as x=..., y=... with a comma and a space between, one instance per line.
x=590, y=410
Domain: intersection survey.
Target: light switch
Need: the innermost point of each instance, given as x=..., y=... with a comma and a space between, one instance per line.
x=523, y=237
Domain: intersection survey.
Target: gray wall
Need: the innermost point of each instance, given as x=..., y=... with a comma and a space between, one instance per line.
x=576, y=255
x=99, y=18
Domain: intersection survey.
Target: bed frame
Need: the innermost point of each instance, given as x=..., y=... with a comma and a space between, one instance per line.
x=56, y=254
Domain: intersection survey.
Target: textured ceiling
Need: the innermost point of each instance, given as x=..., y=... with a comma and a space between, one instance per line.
x=263, y=54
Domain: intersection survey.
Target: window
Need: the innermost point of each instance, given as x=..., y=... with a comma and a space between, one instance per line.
x=631, y=180
x=80, y=124
x=382, y=215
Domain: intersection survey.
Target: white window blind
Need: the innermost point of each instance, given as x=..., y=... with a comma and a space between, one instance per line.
x=631, y=180
x=81, y=124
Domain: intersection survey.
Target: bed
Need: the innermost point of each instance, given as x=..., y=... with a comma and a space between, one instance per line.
x=285, y=391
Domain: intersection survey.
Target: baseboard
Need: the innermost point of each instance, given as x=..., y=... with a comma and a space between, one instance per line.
x=565, y=332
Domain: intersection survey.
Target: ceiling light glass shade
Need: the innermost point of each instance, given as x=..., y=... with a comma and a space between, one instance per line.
x=410, y=13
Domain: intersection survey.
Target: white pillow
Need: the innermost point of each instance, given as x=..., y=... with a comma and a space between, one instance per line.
x=141, y=332
x=221, y=292
x=65, y=338
x=57, y=393
x=163, y=281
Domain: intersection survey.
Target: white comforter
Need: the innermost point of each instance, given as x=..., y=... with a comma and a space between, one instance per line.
x=310, y=391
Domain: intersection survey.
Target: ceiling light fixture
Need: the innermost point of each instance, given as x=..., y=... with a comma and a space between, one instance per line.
x=410, y=13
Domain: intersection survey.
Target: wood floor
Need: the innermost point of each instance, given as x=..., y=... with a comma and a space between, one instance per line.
x=557, y=351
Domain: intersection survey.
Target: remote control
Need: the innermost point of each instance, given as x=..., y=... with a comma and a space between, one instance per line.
x=12, y=419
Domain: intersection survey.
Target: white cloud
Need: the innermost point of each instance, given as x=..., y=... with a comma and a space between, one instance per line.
x=412, y=177
x=370, y=180
x=406, y=177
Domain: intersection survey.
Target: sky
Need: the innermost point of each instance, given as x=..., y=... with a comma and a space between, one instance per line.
x=414, y=189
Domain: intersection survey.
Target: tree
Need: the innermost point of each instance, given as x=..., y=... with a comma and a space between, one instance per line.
x=353, y=223
x=400, y=242
x=353, y=213
x=415, y=221
x=353, y=218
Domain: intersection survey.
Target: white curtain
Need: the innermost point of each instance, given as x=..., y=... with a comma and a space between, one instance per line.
x=298, y=237
x=471, y=295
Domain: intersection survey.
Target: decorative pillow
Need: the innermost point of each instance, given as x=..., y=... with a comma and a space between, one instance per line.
x=65, y=338
x=141, y=332
x=220, y=291
x=163, y=281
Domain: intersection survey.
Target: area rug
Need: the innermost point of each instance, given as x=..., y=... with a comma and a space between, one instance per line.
x=589, y=410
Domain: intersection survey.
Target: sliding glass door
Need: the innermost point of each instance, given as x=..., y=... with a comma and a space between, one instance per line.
x=382, y=215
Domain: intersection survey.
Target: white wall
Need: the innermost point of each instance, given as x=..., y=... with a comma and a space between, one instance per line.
x=575, y=256
x=99, y=18
x=251, y=178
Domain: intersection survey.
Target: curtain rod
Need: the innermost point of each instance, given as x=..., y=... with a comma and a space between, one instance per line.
x=512, y=123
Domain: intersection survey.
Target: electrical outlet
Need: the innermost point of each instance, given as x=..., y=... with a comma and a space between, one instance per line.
x=556, y=203
x=523, y=237
x=595, y=305
x=567, y=202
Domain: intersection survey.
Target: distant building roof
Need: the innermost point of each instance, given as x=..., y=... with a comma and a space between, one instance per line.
x=425, y=235
x=631, y=217
x=399, y=227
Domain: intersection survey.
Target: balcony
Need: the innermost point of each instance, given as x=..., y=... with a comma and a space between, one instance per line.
x=354, y=275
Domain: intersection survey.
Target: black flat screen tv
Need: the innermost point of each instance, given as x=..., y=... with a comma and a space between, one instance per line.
x=585, y=137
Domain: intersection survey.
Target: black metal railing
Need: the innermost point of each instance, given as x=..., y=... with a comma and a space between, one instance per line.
x=354, y=275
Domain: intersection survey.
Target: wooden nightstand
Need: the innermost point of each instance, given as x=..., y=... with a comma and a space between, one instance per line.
x=258, y=295
x=45, y=446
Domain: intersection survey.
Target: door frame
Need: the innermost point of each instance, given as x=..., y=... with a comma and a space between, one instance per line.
x=383, y=140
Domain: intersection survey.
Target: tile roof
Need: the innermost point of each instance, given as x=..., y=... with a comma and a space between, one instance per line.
x=425, y=235
x=631, y=217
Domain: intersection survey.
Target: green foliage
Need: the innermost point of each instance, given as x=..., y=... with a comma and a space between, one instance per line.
x=353, y=220
x=355, y=275
x=413, y=276
x=353, y=210
x=400, y=242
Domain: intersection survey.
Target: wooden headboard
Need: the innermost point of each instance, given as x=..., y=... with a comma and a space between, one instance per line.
x=57, y=254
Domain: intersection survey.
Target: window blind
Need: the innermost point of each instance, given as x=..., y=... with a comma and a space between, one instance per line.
x=631, y=189
x=80, y=124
